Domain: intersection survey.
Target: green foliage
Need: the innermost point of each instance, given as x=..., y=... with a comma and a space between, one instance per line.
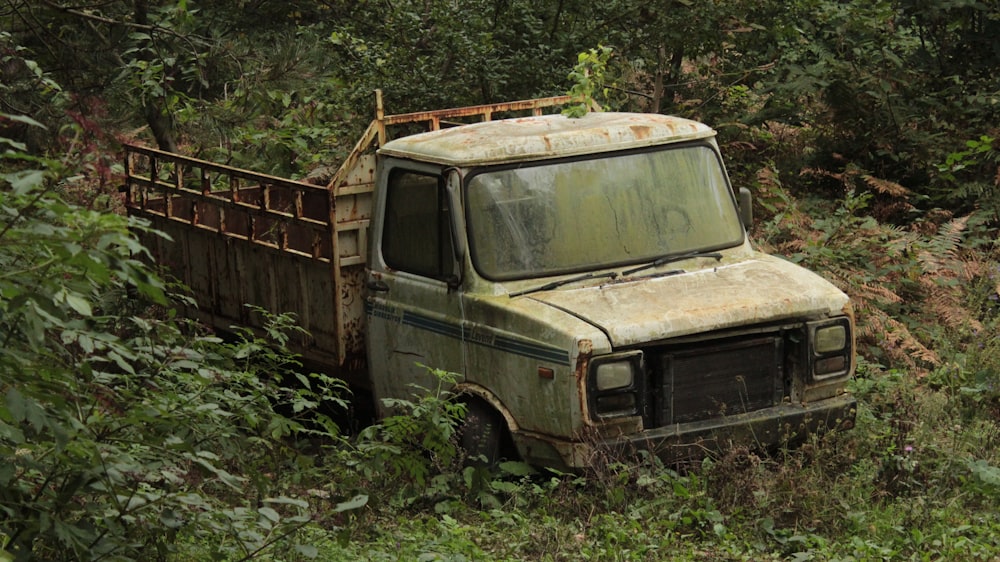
x=290, y=132
x=165, y=63
x=871, y=81
x=26, y=77
x=431, y=54
x=886, y=489
x=972, y=371
x=971, y=177
x=973, y=154
x=26, y=91
x=909, y=284
x=127, y=434
x=588, y=77
x=884, y=86
x=418, y=442
x=120, y=433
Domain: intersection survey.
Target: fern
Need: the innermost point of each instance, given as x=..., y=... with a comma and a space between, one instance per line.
x=906, y=282
x=885, y=186
x=947, y=269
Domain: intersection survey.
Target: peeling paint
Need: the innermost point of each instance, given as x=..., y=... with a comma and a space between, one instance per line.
x=742, y=292
x=547, y=136
x=585, y=352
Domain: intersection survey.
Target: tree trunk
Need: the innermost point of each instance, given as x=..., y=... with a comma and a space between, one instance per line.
x=157, y=117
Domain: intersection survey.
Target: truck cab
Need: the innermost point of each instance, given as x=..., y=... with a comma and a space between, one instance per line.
x=591, y=282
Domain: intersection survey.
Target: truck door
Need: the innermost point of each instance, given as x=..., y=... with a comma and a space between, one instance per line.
x=414, y=312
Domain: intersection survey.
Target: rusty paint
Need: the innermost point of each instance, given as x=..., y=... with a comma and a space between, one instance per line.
x=547, y=136
x=823, y=390
x=779, y=425
x=267, y=224
x=377, y=131
x=585, y=350
x=477, y=110
x=640, y=131
x=490, y=398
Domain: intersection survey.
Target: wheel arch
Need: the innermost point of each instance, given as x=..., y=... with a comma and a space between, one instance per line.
x=466, y=391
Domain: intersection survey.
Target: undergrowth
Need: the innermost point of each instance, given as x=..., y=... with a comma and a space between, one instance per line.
x=124, y=436
x=180, y=466
x=917, y=478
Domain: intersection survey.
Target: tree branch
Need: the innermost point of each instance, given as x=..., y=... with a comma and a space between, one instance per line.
x=94, y=17
x=111, y=21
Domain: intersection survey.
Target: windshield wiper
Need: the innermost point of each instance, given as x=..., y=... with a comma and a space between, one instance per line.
x=671, y=258
x=611, y=274
x=561, y=282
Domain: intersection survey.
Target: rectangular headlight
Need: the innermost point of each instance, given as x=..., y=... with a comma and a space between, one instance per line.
x=613, y=375
x=617, y=405
x=831, y=347
x=829, y=339
x=616, y=385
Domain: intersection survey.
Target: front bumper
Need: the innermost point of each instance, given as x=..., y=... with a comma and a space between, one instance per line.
x=763, y=429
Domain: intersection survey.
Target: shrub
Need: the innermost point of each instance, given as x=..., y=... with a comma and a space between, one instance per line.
x=121, y=434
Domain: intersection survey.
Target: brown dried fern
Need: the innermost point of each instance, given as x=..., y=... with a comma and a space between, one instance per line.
x=876, y=293
x=902, y=346
x=945, y=267
x=947, y=307
x=886, y=187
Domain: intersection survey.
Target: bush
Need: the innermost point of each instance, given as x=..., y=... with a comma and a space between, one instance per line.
x=122, y=434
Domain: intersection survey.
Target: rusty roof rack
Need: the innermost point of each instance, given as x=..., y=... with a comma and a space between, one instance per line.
x=375, y=134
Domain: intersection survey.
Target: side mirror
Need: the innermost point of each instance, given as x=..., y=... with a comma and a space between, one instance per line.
x=746, y=208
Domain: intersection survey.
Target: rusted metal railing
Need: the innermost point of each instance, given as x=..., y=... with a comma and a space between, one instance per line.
x=281, y=214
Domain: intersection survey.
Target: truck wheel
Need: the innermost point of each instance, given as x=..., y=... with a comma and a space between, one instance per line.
x=485, y=437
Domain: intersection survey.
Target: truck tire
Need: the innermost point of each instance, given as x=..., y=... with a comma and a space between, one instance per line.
x=485, y=439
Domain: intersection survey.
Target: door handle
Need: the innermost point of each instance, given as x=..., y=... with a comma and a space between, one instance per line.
x=377, y=285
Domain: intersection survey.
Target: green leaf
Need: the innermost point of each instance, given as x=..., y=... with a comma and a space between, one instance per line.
x=284, y=500
x=170, y=519
x=79, y=304
x=517, y=468
x=356, y=502
x=22, y=119
x=10, y=434
x=270, y=514
x=20, y=146
x=122, y=363
x=22, y=409
x=23, y=182
x=307, y=550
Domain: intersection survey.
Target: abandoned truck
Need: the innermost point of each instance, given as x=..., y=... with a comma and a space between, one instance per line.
x=589, y=279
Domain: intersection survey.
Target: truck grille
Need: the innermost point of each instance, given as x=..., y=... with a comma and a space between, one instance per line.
x=717, y=379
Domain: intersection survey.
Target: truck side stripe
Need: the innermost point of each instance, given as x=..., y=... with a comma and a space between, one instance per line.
x=453, y=330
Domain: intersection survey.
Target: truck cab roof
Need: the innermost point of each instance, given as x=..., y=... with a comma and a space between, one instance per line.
x=544, y=137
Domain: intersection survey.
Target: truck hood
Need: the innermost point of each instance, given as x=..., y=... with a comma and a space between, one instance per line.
x=760, y=289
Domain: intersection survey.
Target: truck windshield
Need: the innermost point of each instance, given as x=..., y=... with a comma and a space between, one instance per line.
x=615, y=209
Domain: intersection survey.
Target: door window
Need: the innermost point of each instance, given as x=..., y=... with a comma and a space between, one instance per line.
x=417, y=234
